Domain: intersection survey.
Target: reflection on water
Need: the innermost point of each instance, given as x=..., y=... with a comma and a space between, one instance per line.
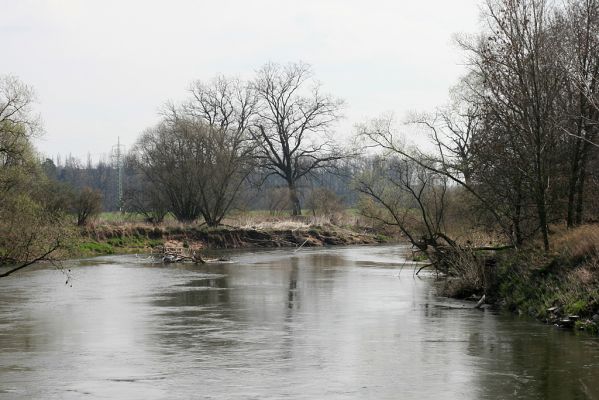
x=344, y=323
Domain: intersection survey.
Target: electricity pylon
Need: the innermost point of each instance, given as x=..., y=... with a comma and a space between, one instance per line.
x=118, y=152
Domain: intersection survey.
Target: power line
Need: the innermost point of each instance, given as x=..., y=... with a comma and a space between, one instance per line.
x=118, y=152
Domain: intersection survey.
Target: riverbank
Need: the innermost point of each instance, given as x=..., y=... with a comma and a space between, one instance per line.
x=560, y=287
x=143, y=238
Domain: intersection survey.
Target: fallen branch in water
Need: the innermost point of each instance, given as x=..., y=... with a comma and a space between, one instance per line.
x=174, y=257
x=480, y=302
x=302, y=245
x=423, y=267
x=168, y=254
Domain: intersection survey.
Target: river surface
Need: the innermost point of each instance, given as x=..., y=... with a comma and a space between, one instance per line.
x=338, y=323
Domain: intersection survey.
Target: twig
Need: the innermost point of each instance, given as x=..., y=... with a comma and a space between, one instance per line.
x=480, y=302
x=302, y=245
x=423, y=267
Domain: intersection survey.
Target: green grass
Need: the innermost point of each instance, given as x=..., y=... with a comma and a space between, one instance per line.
x=94, y=248
x=115, y=245
x=552, y=282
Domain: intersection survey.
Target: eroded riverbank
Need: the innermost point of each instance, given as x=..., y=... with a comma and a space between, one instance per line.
x=127, y=238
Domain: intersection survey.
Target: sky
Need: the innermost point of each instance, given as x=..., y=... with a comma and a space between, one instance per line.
x=102, y=69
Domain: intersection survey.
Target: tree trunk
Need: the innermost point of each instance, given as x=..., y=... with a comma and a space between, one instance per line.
x=516, y=220
x=541, y=197
x=573, y=184
x=581, y=181
x=296, y=207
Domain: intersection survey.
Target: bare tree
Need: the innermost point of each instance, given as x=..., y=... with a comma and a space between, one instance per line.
x=411, y=197
x=579, y=28
x=381, y=134
x=293, y=124
x=453, y=128
x=141, y=196
x=223, y=103
x=473, y=147
x=198, y=168
x=517, y=61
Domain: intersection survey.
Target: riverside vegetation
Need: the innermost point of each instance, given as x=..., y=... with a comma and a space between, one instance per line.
x=500, y=202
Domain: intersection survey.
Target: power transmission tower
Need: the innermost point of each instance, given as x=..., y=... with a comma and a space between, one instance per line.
x=118, y=152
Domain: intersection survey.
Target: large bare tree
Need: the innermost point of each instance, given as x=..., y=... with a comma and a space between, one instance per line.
x=517, y=61
x=293, y=124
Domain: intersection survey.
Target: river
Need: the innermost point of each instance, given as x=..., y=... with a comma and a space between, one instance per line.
x=333, y=323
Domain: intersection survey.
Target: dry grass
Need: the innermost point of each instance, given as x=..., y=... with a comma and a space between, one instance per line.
x=474, y=237
x=473, y=277
x=578, y=291
x=270, y=222
x=580, y=242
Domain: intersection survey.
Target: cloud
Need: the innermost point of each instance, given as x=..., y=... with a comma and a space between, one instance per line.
x=102, y=68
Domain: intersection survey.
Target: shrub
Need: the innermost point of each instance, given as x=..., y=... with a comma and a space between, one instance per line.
x=87, y=204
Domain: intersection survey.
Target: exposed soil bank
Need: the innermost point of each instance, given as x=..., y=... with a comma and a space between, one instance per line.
x=112, y=239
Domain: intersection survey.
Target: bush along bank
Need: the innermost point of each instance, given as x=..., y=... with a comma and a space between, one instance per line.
x=560, y=287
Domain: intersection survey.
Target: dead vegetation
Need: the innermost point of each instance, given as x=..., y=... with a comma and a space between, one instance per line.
x=579, y=243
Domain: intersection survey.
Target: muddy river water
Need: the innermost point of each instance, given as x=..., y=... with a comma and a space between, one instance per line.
x=334, y=323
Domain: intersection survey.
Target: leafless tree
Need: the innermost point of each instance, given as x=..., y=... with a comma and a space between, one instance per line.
x=454, y=127
x=579, y=30
x=382, y=134
x=518, y=64
x=292, y=129
x=198, y=168
x=142, y=197
x=223, y=103
x=408, y=195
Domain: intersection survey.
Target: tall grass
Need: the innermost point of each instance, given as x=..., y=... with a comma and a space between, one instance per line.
x=578, y=243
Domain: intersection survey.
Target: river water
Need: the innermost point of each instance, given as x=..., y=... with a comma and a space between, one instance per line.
x=338, y=323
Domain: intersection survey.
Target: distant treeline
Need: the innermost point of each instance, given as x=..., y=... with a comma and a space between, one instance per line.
x=270, y=195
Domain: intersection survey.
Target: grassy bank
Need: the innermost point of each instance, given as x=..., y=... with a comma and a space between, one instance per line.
x=559, y=287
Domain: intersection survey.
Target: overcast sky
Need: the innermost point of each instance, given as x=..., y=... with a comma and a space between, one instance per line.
x=101, y=69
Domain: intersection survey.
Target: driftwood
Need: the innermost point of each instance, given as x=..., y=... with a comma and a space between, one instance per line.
x=179, y=254
x=169, y=254
x=480, y=303
x=423, y=267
